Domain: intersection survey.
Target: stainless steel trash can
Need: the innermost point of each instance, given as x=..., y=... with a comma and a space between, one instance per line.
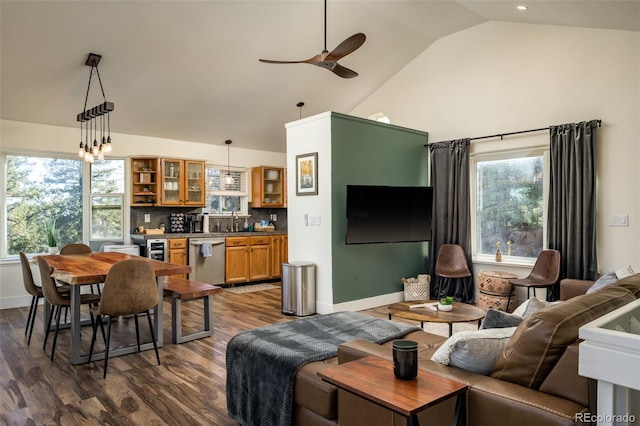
x=299, y=288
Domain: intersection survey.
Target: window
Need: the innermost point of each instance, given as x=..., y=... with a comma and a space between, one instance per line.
x=107, y=198
x=510, y=208
x=39, y=189
x=223, y=199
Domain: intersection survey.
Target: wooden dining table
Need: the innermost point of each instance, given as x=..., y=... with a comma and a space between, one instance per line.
x=79, y=270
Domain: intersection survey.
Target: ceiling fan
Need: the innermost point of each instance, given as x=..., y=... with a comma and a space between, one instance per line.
x=329, y=60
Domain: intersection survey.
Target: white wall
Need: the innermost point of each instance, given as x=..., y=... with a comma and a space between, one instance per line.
x=501, y=77
x=311, y=243
x=28, y=137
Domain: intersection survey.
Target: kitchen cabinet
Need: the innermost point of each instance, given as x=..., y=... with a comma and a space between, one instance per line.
x=181, y=183
x=144, y=181
x=279, y=254
x=248, y=259
x=236, y=260
x=259, y=258
x=178, y=253
x=268, y=187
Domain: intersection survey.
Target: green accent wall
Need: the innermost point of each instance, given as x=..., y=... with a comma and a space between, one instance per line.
x=365, y=152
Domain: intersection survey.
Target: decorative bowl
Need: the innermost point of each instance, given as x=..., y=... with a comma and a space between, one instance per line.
x=445, y=308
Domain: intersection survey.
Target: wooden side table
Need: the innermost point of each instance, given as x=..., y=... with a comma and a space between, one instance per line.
x=372, y=378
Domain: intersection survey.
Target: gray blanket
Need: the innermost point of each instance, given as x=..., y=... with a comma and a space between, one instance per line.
x=262, y=363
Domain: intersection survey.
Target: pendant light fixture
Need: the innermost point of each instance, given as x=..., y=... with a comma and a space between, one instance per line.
x=228, y=179
x=91, y=151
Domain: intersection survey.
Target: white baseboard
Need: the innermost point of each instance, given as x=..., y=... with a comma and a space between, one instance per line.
x=15, y=302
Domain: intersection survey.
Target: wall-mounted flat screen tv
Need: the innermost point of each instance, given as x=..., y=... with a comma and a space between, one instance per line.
x=388, y=214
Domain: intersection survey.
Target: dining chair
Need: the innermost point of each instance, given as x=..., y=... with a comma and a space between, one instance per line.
x=130, y=289
x=76, y=248
x=35, y=292
x=451, y=262
x=57, y=299
x=545, y=274
x=79, y=248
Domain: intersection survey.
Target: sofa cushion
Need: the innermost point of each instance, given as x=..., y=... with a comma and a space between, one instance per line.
x=498, y=319
x=603, y=281
x=530, y=306
x=312, y=392
x=631, y=283
x=564, y=380
x=542, y=338
x=474, y=351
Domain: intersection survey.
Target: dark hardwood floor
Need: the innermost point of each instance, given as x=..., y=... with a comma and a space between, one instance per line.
x=187, y=388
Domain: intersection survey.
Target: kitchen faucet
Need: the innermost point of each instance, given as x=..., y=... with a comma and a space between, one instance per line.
x=235, y=221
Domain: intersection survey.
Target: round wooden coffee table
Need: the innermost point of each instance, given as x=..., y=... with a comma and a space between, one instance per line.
x=461, y=312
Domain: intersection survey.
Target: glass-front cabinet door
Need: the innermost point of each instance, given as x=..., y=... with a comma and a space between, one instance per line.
x=172, y=182
x=194, y=183
x=268, y=187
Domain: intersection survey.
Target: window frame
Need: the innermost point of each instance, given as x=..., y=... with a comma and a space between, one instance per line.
x=124, y=197
x=244, y=195
x=85, y=191
x=512, y=154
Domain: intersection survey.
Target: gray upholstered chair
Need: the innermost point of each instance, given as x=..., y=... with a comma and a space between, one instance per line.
x=76, y=248
x=79, y=248
x=130, y=289
x=35, y=292
x=57, y=299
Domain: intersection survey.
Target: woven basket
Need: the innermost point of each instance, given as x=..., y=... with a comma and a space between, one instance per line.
x=417, y=290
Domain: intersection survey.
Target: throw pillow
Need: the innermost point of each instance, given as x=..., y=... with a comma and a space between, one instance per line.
x=624, y=272
x=530, y=306
x=498, y=319
x=603, y=281
x=474, y=351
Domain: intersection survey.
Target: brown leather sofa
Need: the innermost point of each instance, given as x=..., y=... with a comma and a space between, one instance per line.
x=535, y=382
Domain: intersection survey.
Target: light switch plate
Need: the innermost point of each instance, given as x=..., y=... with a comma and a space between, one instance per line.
x=619, y=220
x=147, y=218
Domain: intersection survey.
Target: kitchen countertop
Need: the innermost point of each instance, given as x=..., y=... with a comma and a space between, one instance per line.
x=207, y=235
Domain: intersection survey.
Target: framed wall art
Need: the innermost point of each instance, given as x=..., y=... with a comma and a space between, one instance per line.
x=307, y=174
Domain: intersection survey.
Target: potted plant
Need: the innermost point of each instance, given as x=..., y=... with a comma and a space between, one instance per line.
x=446, y=303
x=52, y=239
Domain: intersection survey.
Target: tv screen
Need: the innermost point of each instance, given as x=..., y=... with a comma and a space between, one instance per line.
x=388, y=214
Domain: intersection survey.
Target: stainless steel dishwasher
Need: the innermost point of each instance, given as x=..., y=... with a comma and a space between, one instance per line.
x=206, y=258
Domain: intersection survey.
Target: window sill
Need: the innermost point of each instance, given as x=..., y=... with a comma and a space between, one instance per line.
x=511, y=261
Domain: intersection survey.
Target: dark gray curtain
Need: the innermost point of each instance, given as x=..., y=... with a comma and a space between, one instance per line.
x=572, y=198
x=451, y=213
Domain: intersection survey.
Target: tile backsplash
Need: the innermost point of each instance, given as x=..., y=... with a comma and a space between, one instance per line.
x=159, y=215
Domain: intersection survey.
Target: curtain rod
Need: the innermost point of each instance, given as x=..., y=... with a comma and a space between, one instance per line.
x=502, y=135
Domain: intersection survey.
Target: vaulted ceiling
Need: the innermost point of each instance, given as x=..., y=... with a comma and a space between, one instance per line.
x=189, y=70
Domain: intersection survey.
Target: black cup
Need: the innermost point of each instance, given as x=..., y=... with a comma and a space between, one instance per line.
x=405, y=359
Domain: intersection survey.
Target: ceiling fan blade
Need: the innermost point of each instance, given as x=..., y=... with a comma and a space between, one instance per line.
x=313, y=61
x=346, y=47
x=343, y=72
x=269, y=61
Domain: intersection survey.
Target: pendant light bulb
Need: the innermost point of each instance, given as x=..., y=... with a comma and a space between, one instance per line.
x=228, y=179
x=81, y=150
x=107, y=147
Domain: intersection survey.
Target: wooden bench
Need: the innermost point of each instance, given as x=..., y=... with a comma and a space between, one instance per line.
x=184, y=290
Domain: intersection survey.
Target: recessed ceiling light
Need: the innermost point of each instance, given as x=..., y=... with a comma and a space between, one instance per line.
x=522, y=7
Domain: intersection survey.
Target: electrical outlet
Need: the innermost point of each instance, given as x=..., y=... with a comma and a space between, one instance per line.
x=147, y=218
x=273, y=217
